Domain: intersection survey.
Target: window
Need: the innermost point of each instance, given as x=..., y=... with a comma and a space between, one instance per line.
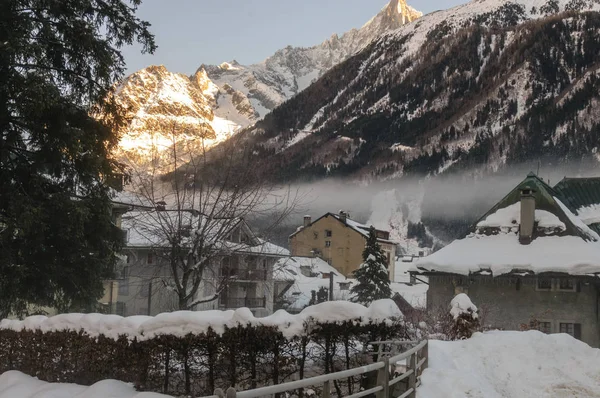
x=574, y=329
x=124, y=287
x=566, y=284
x=327, y=243
x=544, y=284
x=125, y=272
x=150, y=258
x=328, y=233
x=545, y=327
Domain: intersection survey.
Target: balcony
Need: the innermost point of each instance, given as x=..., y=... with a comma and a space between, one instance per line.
x=239, y=302
x=244, y=274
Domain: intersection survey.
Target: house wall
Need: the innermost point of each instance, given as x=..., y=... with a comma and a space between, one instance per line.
x=345, y=251
x=505, y=306
x=140, y=274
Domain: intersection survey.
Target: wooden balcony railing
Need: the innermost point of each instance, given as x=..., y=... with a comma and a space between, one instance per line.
x=244, y=274
x=239, y=302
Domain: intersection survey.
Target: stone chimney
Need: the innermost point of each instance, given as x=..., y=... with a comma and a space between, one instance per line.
x=527, y=215
x=307, y=221
x=343, y=216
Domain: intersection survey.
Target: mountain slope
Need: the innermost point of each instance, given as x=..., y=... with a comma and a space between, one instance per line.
x=164, y=107
x=217, y=101
x=482, y=85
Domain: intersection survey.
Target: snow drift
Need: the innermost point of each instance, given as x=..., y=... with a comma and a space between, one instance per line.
x=15, y=384
x=511, y=364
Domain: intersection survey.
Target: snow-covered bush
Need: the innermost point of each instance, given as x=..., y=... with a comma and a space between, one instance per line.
x=192, y=353
x=465, y=316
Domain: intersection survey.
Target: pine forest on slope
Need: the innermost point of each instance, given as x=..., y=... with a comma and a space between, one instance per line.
x=477, y=87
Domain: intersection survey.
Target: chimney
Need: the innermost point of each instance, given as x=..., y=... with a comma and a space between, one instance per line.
x=343, y=216
x=527, y=215
x=307, y=221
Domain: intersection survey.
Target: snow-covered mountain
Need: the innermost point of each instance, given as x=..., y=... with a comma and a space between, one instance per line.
x=480, y=86
x=163, y=108
x=217, y=101
x=292, y=69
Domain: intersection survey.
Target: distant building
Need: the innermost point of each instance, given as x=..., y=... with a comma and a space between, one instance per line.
x=145, y=279
x=338, y=240
x=533, y=260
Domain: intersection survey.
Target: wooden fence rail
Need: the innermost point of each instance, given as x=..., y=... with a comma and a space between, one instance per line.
x=415, y=357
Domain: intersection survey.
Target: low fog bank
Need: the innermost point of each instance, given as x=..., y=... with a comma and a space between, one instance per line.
x=446, y=204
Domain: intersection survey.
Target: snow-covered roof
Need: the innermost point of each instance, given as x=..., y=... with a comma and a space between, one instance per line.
x=353, y=224
x=502, y=254
x=561, y=241
x=153, y=229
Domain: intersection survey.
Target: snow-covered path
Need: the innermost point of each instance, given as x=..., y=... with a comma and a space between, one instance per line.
x=15, y=384
x=512, y=364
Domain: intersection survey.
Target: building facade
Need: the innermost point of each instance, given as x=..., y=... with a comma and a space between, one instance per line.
x=340, y=241
x=532, y=261
x=240, y=275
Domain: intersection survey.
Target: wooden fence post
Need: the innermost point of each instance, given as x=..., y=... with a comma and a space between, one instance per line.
x=383, y=379
x=412, y=379
x=231, y=393
x=326, y=389
x=426, y=355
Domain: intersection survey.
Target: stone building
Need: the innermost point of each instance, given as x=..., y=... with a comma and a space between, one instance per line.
x=340, y=241
x=533, y=260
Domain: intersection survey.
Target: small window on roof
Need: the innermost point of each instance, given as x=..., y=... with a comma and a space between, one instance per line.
x=328, y=233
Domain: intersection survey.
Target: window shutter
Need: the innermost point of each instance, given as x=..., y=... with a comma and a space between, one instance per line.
x=577, y=331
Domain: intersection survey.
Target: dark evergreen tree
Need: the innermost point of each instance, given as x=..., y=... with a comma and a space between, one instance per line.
x=58, y=63
x=372, y=276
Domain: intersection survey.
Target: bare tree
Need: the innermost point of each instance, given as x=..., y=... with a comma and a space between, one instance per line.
x=193, y=209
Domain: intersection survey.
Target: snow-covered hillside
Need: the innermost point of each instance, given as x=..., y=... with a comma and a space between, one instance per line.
x=218, y=100
x=484, y=84
x=511, y=364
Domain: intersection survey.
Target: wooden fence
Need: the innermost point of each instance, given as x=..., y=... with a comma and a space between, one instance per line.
x=416, y=361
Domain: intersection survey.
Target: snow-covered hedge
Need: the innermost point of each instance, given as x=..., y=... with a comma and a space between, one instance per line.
x=181, y=323
x=193, y=353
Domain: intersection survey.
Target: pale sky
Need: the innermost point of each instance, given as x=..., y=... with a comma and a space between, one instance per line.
x=192, y=32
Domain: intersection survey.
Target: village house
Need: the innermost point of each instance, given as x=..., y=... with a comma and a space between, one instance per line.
x=241, y=274
x=340, y=241
x=532, y=261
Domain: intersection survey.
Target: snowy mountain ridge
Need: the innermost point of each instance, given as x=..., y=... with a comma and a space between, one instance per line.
x=487, y=83
x=292, y=69
x=218, y=100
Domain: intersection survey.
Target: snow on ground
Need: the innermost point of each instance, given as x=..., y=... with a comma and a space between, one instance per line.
x=512, y=364
x=181, y=323
x=15, y=384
